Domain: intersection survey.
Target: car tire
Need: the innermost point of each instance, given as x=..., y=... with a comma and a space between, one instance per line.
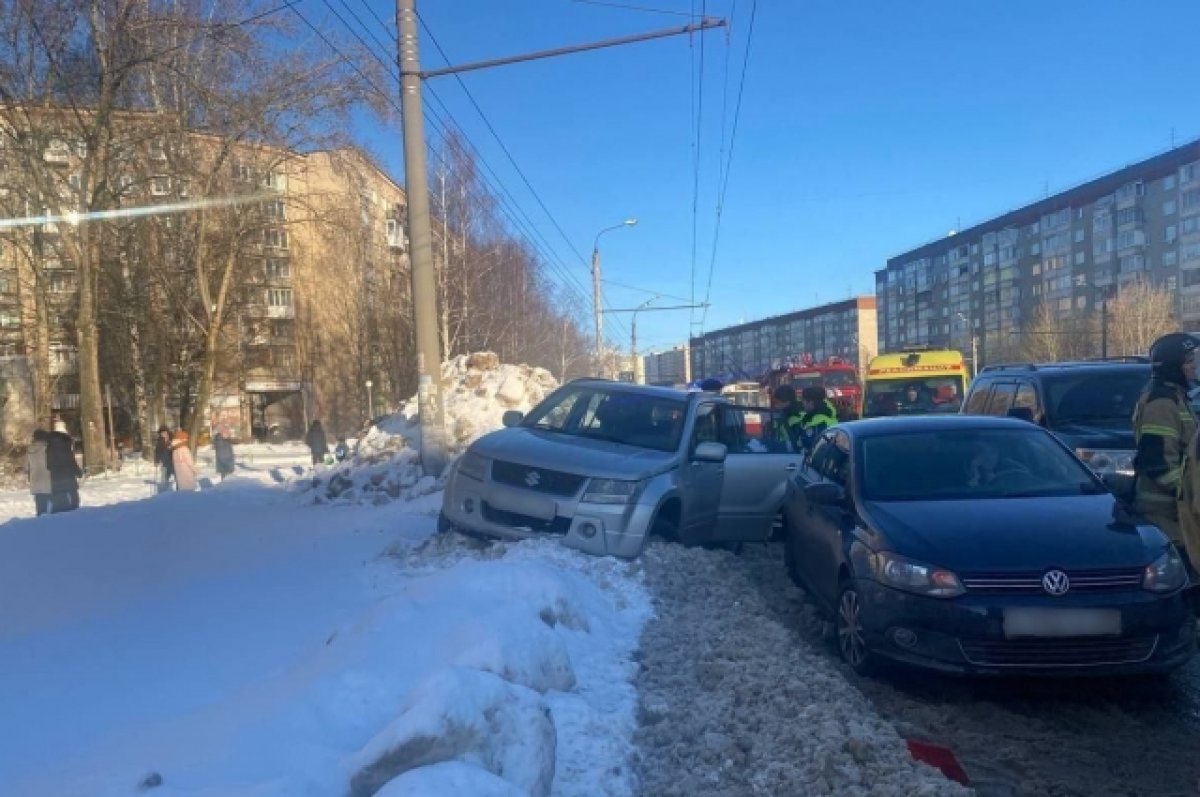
x=850, y=638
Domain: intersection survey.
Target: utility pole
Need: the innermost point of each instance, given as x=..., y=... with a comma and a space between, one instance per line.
x=424, y=283
x=597, y=309
x=633, y=326
x=1104, y=327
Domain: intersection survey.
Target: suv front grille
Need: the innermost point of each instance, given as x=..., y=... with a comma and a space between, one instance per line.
x=559, y=525
x=552, y=482
x=1082, y=652
x=1122, y=580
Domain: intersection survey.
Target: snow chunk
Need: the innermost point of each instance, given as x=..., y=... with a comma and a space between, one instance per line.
x=477, y=390
x=449, y=777
x=461, y=714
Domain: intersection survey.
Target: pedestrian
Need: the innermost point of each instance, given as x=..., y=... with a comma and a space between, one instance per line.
x=789, y=415
x=315, y=440
x=162, y=458
x=341, y=451
x=819, y=414
x=1164, y=425
x=223, y=451
x=182, y=464
x=39, y=472
x=64, y=469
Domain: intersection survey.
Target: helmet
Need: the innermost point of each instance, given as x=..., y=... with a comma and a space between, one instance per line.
x=1168, y=355
x=784, y=394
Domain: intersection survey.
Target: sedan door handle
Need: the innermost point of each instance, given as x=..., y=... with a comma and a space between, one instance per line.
x=791, y=466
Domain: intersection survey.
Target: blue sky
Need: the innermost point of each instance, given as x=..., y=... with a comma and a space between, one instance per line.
x=866, y=129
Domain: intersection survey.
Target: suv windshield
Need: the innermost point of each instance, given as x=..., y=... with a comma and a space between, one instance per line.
x=914, y=396
x=614, y=415
x=971, y=463
x=1102, y=397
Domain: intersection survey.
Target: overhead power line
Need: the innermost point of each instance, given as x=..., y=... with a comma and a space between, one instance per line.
x=646, y=9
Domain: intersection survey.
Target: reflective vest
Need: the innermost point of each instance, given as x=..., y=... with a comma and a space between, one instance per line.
x=1163, y=425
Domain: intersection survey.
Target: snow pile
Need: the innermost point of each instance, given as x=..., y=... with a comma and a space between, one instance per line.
x=235, y=642
x=477, y=389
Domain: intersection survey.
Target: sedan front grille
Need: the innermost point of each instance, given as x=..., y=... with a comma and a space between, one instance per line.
x=515, y=520
x=1122, y=580
x=1080, y=652
x=537, y=479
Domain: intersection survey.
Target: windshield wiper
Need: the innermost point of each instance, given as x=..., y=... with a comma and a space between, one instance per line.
x=602, y=436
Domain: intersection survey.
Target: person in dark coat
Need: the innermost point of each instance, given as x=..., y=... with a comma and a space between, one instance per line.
x=64, y=470
x=316, y=442
x=223, y=451
x=39, y=472
x=163, y=459
x=341, y=451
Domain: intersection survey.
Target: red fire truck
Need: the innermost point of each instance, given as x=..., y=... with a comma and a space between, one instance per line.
x=838, y=377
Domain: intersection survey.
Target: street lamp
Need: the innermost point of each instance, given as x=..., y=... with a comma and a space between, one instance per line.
x=974, y=345
x=370, y=401
x=633, y=336
x=597, y=309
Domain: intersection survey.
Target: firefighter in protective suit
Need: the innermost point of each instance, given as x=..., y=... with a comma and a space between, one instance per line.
x=1164, y=427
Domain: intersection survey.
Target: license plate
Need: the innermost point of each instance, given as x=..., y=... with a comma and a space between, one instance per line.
x=1061, y=622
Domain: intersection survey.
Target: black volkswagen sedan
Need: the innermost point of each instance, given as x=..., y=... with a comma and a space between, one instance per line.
x=980, y=545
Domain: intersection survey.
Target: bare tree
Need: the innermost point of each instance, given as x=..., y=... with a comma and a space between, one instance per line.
x=1139, y=315
x=1054, y=335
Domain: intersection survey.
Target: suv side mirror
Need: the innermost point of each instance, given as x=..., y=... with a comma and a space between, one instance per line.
x=710, y=452
x=512, y=418
x=824, y=493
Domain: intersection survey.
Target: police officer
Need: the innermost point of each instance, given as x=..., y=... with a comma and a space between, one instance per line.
x=791, y=414
x=819, y=414
x=1164, y=425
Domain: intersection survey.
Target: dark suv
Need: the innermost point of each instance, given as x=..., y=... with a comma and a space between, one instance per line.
x=1088, y=405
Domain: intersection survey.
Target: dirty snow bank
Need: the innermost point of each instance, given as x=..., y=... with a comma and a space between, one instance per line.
x=477, y=389
x=734, y=703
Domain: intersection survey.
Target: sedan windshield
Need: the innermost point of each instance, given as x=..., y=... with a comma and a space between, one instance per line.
x=616, y=416
x=970, y=463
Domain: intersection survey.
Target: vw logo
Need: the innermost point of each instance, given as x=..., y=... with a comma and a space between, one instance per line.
x=533, y=479
x=1056, y=582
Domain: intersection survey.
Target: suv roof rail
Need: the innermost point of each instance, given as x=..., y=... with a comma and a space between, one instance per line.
x=1009, y=367
x=1123, y=358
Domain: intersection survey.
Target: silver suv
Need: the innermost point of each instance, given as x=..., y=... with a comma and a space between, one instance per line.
x=602, y=464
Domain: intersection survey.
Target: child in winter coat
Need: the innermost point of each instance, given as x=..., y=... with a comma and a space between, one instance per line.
x=39, y=472
x=181, y=460
x=223, y=451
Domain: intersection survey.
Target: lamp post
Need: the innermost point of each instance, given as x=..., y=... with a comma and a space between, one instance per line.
x=974, y=345
x=597, y=304
x=633, y=337
x=370, y=401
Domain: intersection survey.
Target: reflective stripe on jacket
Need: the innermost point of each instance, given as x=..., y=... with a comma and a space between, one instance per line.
x=1163, y=426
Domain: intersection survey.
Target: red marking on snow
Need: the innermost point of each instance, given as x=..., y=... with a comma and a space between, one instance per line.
x=941, y=758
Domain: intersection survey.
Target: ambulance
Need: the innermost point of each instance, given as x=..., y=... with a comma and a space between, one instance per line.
x=915, y=382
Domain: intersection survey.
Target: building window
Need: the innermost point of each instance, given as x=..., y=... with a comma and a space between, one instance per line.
x=1189, y=173
x=1130, y=190
x=75, y=181
x=1169, y=208
x=1190, y=199
x=278, y=268
x=160, y=186
x=275, y=239
x=9, y=319
x=1129, y=215
x=1131, y=238
x=1035, y=248
x=1170, y=259
x=243, y=173
x=6, y=284
x=275, y=180
x=157, y=151
x=279, y=298
x=1080, y=280
x=1169, y=182
x=1189, y=252
x=60, y=283
x=1079, y=235
x=1172, y=283
x=275, y=209
x=1189, y=278
x=1080, y=257
x=1169, y=234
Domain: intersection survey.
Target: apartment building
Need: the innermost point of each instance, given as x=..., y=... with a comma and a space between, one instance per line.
x=314, y=307
x=845, y=329
x=1069, y=251
x=668, y=368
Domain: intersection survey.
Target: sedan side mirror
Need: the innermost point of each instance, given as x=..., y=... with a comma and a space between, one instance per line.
x=824, y=493
x=710, y=452
x=512, y=418
x=1119, y=484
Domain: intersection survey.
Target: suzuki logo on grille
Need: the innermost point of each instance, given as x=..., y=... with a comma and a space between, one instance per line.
x=1056, y=582
x=533, y=478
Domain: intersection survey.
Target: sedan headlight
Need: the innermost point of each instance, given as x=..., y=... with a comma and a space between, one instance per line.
x=1104, y=461
x=474, y=465
x=912, y=576
x=1166, y=573
x=611, y=491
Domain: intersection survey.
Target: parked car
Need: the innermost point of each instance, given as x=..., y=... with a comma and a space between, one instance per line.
x=1089, y=405
x=601, y=464
x=980, y=545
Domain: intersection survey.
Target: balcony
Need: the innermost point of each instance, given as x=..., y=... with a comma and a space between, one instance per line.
x=277, y=311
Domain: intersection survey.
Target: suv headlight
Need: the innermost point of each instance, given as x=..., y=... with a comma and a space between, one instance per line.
x=474, y=465
x=1103, y=460
x=1166, y=573
x=912, y=576
x=611, y=491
